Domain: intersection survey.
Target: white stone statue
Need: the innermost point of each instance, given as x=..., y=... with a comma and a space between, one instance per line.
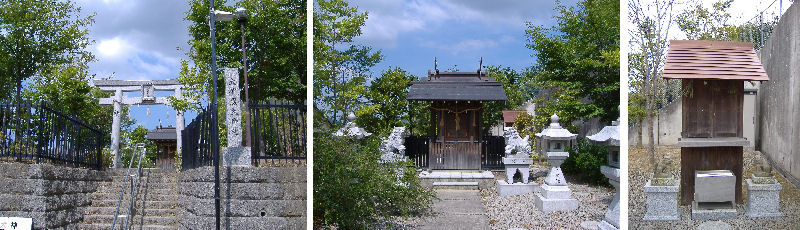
x=392, y=147
x=350, y=129
x=515, y=142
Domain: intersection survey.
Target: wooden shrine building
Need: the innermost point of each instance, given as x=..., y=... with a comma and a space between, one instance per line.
x=455, y=137
x=164, y=138
x=713, y=74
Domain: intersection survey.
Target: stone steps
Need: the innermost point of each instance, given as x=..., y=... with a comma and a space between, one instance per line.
x=155, y=201
x=463, y=185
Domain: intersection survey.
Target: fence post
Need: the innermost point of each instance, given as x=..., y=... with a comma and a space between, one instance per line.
x=40, y=141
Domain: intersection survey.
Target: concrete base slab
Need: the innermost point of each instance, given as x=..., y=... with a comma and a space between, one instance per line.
x=239, y=156
x=714, y=225
x=506, y=189
x=589, y=225
x=713, y=211
x=552, y=205
x=606, y=226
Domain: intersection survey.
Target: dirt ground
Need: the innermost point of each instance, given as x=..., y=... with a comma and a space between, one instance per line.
x=640, y=170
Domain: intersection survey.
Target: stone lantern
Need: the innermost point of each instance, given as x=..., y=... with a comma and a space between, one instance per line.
x=609, y=136
x=517, y=159
x=350, y=129
x=555, y=193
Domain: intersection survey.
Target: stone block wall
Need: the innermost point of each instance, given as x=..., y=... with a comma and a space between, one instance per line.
x=54, y=196
x=778, y=100
x=251, y=198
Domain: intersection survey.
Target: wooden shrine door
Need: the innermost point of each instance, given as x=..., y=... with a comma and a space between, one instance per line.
x=457, y=143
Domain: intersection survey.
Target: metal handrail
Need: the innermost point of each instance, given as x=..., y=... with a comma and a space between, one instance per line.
x=134, y=179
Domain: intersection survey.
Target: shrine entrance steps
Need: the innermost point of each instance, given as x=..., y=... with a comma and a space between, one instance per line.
x=457, y=209
x=154, y=207
x=457, y=180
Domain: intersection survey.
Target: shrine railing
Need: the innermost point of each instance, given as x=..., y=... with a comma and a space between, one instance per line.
x=278, y=132
x=196, y=146
x=36, y=133
x=492, y=151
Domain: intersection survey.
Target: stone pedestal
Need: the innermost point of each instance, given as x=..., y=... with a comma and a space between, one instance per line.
x=236, y=156
x=763, y=200
x=555, y=195
x=611, y=220
x=662, y=202
x=514, y=164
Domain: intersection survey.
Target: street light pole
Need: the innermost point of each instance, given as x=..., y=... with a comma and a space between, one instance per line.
x=241, y=14
x=214, y=114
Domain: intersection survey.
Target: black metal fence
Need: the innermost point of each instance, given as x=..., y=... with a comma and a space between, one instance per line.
x=196, y=142
x=492, y=151
x=278, y=132
x=36, y=133
x=417, y=150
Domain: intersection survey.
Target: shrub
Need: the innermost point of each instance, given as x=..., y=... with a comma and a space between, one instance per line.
x=584, y=162
x=353, y=191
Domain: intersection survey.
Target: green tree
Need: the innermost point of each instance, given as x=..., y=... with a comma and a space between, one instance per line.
x=578, y=62
x=701, y=23
x=386, y=101
x=138, y=136
x=651, y=26
x=340, y=66
x=275, y=35
x=513, y=84
x=36, y=36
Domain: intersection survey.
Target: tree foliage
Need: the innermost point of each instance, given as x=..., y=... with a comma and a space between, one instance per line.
x=38, y=36
x=275, y=34
x=353, y=191
x=386, y=105
x=513, y=84
x=701, y=23
x=578, y=62
x=340, y=66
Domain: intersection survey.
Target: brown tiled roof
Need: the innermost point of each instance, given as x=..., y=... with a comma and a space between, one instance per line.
x=699, y=59
x=509, y=116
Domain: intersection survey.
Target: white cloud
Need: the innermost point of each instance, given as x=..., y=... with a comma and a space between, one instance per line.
x=468, y=45
x=389, y=19
x=112, y=48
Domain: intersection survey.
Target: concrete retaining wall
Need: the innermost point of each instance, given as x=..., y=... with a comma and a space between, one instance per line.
x=779, y=98
x=252, y=197
x=667, y=129
x=54, y=196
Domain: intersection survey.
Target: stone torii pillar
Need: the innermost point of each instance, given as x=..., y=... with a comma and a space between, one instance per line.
x=148, y=89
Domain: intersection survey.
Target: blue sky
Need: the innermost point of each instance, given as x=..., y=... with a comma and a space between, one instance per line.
x=410, y=33
x=139, y=40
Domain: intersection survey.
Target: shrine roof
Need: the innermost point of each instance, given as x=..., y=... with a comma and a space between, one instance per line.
x=457, y=86
x=162, y=133
x=724, y=60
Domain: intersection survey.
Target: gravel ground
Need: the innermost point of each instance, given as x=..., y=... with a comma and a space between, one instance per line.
x=520, y=211
x=640, y=171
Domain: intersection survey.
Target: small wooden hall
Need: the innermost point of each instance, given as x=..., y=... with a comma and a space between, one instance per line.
x=455, y=139
x=712, y=74
x=164, y=138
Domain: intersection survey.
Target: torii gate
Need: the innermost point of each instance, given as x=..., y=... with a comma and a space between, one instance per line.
x=148, y=89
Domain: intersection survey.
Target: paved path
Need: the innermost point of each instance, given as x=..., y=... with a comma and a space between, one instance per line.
x=457, y=209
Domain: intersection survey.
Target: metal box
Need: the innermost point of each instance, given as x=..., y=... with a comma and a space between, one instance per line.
x=714, y=186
